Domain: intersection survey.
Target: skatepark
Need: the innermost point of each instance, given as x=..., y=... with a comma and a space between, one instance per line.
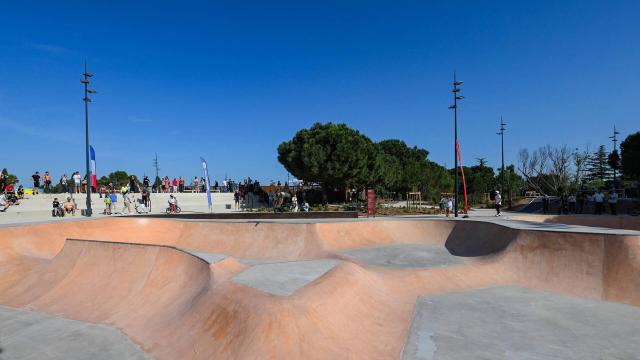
x=410, y=288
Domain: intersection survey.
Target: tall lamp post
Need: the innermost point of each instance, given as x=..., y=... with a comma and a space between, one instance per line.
x=456, y=97
x=87, y=100
x=501, y=133
x=614, y=138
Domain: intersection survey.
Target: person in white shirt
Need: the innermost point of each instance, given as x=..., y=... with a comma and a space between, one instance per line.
x=4, y=203
x=498, y=201
x=613, y=202
x=173, y=204
x=76, y=182
x=598, y=198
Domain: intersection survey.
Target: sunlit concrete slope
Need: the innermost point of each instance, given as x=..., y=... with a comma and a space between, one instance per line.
x=141, y=276
x=605, y=221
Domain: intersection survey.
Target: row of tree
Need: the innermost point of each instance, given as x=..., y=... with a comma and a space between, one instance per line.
x=338, y=158
x=550, y=169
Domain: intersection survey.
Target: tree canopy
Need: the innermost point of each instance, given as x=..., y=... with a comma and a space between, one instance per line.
x=333, y=155
x=337, y=156
x=118, y=178
x=630, y=156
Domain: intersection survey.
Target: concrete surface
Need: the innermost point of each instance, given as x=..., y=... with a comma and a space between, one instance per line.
x=177, y=305
x=516, y=323
x=404, y=256
x=211, y=258
x=284, y=278
x=31, y=335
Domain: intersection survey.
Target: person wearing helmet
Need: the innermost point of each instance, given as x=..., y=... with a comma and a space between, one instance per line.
x=498, y=201
x=126, y=200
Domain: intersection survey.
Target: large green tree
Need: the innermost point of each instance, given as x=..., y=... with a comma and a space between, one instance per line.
x=412, y=163
x=118, y=178
x=415, y=172
x=338, y=157
x=630, y=156
x=333, y=155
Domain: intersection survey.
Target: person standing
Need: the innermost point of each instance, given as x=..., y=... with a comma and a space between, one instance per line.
x=47, y=182
x=498, y=201
x=196, y=184
x=133, y=186
x=236, y=198
x=613, y=202
x=572, y=203
x=126, y=200
x=181, y=184
x=64, y=184
x=598, y=198
x=545, y=204
x=107, y=204
x=174, y=189
x=36, y=182
x=77, y=179
x=449, y=205
x=146, y=197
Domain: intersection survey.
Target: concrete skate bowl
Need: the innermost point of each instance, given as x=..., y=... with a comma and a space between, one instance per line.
x=352, y=289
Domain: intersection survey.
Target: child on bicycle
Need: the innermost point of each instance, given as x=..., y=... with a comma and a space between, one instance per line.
x=173, y=203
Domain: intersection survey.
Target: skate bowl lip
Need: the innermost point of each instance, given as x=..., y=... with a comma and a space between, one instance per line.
x=257, y=215
x=622, y=221
x=110, y=242
x=515, y=222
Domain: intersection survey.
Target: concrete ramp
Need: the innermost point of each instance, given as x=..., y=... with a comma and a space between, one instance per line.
x=329, y=290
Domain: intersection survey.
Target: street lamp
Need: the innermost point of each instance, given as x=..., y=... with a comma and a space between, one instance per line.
x=614, y=138
x=456, y=97
x=87, y=100
x=501, y=133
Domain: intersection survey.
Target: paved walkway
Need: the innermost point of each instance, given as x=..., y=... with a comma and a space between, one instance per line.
x=31, y=335
x=517, y=323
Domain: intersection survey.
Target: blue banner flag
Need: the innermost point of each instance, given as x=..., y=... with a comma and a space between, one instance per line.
x=206, y=180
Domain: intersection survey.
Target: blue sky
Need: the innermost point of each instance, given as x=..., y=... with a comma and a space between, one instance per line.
x=229, y=81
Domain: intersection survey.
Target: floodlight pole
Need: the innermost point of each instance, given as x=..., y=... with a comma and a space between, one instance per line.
x=87, y=100
x=501, y=133
x=456, y=97
x=614, y=138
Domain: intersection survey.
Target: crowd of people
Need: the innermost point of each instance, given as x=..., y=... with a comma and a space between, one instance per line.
x=247, y=193
x=579, y=202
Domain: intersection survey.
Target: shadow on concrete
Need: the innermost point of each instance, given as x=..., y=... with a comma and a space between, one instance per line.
x=474, y=238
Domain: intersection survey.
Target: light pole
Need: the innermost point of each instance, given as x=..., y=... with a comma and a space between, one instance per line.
x=614, y=138
x=456, y=97
x=156, y=165
x=87, y=100
x=501, y=133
